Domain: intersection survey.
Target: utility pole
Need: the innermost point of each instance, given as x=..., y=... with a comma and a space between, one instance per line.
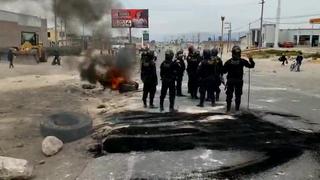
x=229, y=34
x=130, y=35
x=261, y=23
x=55, y=22
x=65, y=30
x=249, y=37
x=198, y=40
x=61, y=34
x=222, y=28
x=276, y=36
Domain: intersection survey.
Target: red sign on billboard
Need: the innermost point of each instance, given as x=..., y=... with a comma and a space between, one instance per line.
x=130, y=18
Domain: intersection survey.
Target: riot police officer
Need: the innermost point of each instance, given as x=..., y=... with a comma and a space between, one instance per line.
x=182, y=67
x=148, y=77
x=219, y=73
x=193, y=60
x=208, y=73
x=168, y=72
x=234, y=70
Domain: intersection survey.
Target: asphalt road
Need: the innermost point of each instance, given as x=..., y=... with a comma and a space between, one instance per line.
x=277, y=146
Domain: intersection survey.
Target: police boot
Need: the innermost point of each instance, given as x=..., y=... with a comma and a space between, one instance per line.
x=213, y=103
x=201, y=102
x=228, y=107
x=145, y=103
x=152, y=106
x=161, y=105
x=218, y=97
x=172, y=110
x=238, y=105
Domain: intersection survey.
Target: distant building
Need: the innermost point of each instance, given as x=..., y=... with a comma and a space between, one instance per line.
x=18, y=28
x=61, y=36
x=299, y=37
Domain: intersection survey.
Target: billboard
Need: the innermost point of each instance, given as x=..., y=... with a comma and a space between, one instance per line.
x=130, y=18
x=315, y=21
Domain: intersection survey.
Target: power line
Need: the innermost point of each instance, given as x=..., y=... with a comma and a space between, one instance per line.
x=298, y=16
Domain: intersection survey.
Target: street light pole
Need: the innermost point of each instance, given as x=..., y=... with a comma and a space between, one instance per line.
x=222, y=27
x=261, y=23
x=276, y=40
x=55, y=22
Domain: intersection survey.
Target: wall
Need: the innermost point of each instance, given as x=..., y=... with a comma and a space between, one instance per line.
x=12, y=24
x=9, y=34
x=268, y=35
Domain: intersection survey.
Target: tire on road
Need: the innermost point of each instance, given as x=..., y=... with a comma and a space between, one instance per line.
x=67, y=127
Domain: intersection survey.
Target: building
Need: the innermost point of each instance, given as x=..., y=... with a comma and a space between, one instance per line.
x=298, y=37
x=18, y=28
x=61, y=36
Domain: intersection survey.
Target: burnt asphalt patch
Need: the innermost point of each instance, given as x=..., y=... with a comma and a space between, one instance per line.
x=147, y=132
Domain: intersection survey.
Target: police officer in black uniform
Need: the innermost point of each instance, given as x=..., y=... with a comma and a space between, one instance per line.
x=208, y=77
x=219, y=72
x=168, y=72
x=182, y=67
x=193, y=60
x=148, y=77
x=234, y=70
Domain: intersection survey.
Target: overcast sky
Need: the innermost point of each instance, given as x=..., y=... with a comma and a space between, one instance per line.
x=184, y=16
x=172, y=17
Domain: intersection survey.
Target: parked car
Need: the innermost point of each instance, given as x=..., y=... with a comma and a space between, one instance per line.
x=286, y=44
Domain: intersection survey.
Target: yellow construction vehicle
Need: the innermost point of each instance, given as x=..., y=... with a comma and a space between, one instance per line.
x=31, y=47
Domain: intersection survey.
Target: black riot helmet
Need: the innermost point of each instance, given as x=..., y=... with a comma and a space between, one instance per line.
x=169, y=55
x=179, y=54
x=206, y=54
x=197, y=53
x=144, y=55
x=191, y=49
x=214, y=52
x=150, y=54
x=236, y=52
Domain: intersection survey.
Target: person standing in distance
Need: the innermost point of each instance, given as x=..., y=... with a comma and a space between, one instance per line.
x=182, y=67
x=149, y=78
x=218, y=72
x=208, y=77
x=234, y=70
x=168, y=73
x=10, y=58
x=193, y=60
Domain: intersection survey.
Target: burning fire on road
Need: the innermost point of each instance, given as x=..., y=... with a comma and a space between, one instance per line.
x=111, y=72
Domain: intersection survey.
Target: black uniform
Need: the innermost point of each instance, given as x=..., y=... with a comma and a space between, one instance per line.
x=149, y=78
x=193, y=61
x=168, y=73
x=10, y=58
x=299, y=60
x=234, y=69
x=283, y=59
x=219, y=73
x=56, y=59
x=209, y=72
x=182, y=67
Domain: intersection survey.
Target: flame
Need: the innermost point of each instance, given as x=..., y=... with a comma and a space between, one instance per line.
x=117, y=78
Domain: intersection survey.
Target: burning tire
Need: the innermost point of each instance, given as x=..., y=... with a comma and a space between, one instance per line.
x=128, y=87
x=66, y=126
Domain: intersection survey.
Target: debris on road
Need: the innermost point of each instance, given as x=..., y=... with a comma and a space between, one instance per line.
x=88, y=86
x=11, y=168
x=51, y=145
x=101, y=106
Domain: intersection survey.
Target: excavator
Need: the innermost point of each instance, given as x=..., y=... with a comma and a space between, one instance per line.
x=31, y=48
